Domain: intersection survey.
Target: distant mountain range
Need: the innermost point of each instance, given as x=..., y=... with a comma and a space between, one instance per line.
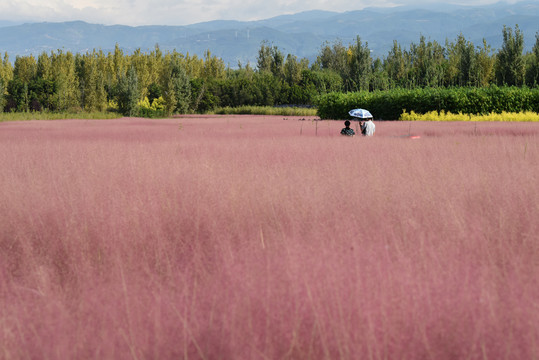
x=301, y=34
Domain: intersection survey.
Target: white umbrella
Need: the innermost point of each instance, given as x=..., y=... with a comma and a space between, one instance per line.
x=360, y=113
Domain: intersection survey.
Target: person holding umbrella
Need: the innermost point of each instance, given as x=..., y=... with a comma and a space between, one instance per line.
x=367, y=127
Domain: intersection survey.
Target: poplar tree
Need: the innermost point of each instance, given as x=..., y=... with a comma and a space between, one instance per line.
x=510, y=69
x=90, y=71
x=155, y=65
x=43, y=67
x=24, y=71
x=271, y=60
x=25, y=68
x=141, y=64
x=118, y=63
x=533, y=72
x=293, y=69
x=64, y=73
x=213, y=69
x=177, y=87
x=360, y=63
x=396, y=66
x=485, y=65
x=6, y=75
x=264, y=58
x=43, y=87
x=193, y=65
x=427, y=59
x=18, y=97
x=469, y=65
x=181, y=87
x=380, y=79
x=334, y=57
x=461, y=62
x=128, y=92
x=6, y=69
x=169, y=96
x=2, y=94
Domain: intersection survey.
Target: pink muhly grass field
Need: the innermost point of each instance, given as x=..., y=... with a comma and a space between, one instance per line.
x=258, y=237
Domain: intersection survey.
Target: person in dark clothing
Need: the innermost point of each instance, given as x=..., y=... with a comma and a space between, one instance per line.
x=347, y=131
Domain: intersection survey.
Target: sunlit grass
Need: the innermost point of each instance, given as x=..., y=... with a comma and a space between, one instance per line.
x=20, y=116
x=526, y=116
x=266, y=110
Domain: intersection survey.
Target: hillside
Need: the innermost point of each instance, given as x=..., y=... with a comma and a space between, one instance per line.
x=300, y=34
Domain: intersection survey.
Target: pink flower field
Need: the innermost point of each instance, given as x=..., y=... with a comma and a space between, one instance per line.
x=259, y=237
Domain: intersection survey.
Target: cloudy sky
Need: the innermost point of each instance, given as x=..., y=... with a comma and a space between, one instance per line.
x=181, y=12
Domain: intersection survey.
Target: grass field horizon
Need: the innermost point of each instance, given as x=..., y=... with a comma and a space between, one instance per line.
x=268, y=237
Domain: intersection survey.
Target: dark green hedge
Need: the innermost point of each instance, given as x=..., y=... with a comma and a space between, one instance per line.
x=389, y=105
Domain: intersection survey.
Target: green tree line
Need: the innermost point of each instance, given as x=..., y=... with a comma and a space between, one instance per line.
x=160, y=84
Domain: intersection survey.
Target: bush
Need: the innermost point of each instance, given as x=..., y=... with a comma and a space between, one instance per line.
x=389, y=105
x=525, y=116
x=157, y=109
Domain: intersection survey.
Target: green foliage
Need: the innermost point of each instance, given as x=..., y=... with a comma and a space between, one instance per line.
x=6, y=70
x=128, y=93
x=42, y=93
x=63, y=72
x=25, y=68
x=427, y=60
x=266, y=110
x=321, y=81
x=182, y=89
x=203, y=95
x=213, y=68
x=389, y=105
x=334, y=57
x=2, y=96
x=270, y=59
x=18, y=97
x=532, y=73
x=293, y=69
x=156, y=109
x=46, y=115
x=176, y=87
x=154, y=92
x=510, y=68
x=360, y=66
x=90, y=70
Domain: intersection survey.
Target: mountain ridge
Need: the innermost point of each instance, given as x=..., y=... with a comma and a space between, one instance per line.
x=301, y=34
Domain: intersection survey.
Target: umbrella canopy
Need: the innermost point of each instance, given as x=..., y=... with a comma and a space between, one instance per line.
x=360, y=113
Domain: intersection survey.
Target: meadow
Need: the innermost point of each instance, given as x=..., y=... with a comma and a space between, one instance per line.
x=268, y=237
x=47, y=115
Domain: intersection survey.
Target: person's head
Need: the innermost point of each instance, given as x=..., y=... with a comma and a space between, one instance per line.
x=347, y=123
